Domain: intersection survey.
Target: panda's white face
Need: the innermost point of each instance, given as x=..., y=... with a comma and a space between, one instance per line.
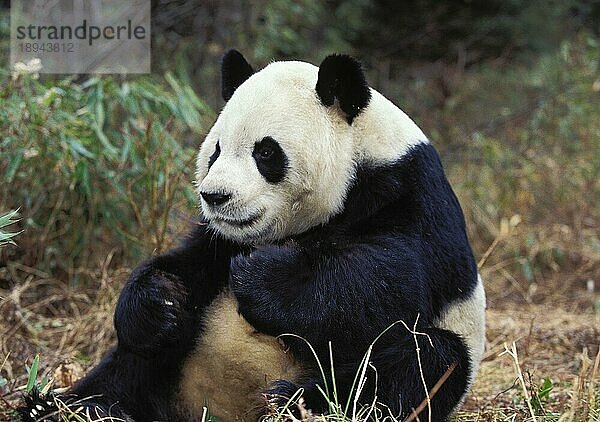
x=276, y=162
x=284, y=151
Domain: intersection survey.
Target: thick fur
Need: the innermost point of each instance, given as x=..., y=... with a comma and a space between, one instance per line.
x=361, y=231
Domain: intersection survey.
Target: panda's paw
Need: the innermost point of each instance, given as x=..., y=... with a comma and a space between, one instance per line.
x=48, y=407
x=254, y=275
x=285, y=400
x=150, y=313
x=38, y=407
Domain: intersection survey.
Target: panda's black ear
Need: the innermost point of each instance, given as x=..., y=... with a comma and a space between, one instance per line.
x=234, y=71
x=341, y=78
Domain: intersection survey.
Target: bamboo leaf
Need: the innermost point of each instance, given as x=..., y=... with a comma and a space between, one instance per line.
x=33, y=371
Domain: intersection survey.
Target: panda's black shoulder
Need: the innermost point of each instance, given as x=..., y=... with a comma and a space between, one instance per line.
x=412, y=187
x=409, y=201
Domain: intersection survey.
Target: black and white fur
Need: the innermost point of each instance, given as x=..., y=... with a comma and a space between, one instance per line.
x=326, y=214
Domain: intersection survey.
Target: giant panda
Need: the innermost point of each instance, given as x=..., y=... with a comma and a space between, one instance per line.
x=326, y=215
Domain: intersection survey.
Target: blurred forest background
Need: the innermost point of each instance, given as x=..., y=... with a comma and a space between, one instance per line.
x=100, y=171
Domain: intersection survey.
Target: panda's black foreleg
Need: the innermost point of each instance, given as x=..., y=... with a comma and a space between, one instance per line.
x=161, y=306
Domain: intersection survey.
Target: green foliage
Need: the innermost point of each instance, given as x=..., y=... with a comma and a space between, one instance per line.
x=5, y=221
x=291, y=29
x=542, y=395
x=99, y=164
x=32, y=373
x=32, y=376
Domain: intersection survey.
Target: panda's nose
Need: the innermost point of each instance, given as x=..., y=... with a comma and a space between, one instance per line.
x=215, y=199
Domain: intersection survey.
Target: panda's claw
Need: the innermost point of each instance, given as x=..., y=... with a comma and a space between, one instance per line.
x=284, y=397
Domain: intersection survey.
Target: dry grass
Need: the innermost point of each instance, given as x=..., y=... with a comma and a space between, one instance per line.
x=550, y=343
x=69, y=327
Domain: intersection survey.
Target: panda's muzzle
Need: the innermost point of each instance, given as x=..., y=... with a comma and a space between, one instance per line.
x=217, y=205
x=215, y=199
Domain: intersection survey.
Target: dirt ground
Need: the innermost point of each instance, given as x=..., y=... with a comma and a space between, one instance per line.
x=550, y=343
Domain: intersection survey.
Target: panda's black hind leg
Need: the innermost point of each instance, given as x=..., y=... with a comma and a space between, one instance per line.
x=400, y=376
x=394, y=364
x=37, y=406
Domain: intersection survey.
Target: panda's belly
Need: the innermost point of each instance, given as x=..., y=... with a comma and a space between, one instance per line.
x=231, y=365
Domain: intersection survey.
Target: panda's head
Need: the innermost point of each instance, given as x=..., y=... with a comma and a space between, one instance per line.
x=283, y=152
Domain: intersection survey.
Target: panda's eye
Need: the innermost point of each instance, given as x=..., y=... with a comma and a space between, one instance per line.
x=265, y=152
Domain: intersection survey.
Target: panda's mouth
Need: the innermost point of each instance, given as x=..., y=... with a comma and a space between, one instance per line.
x=239, y=223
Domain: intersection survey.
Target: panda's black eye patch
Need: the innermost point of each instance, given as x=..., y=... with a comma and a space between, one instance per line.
x=214, y=156
x=270, y=159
